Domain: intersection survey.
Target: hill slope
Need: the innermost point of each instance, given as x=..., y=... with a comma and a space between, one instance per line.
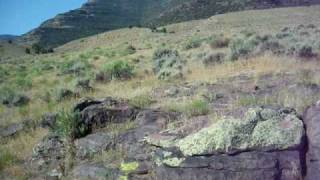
x=97, y=16
x=219, y=67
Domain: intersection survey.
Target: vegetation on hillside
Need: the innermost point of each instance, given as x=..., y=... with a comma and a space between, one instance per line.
x=205, y=75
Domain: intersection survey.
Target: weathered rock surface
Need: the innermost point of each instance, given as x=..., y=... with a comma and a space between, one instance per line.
x=312, y=121
x=260, y=129
x=14, y=128
x=48, y=157
x=94, y=171
x=265, y=144
x=243, y=166
x=92, y=144
x=98, y=113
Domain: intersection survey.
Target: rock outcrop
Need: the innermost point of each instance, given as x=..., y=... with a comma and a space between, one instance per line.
x=264, y=143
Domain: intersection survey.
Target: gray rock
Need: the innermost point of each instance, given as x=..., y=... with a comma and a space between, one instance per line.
x=15, y=128
x=92, y=144
x=284, y=165
x=98, y=115
x=48, y=157
x=95, y=171
x=11, y=129
x=49, y=120
x=311, y=119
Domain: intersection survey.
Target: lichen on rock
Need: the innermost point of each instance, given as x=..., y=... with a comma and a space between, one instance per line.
x=173, y=162
x=260, y=129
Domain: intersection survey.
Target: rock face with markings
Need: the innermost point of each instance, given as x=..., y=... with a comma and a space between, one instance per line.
x=263, y=143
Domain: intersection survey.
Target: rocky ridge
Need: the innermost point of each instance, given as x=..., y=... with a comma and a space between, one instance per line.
x=100, y=15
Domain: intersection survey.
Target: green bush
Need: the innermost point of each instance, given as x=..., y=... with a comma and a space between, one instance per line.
x=68, y=125
x=23, y=81
x=243, y=46
x=117, y=70
x=197, y=108
x=75, y=67
x=9, y=97
x=167, y=64
x=141, y=101
x=3, y=73
x=192, y=43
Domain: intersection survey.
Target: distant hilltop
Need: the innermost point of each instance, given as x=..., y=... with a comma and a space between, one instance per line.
x=7, y=37
x=98, y=16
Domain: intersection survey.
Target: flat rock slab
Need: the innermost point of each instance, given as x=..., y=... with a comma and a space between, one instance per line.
x=284, y=165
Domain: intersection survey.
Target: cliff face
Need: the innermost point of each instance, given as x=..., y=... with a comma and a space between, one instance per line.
x=97, y=16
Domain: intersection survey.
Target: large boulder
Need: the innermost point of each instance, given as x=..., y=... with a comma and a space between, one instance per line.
x=261, y=130
x=311, y=119
x=265, y=144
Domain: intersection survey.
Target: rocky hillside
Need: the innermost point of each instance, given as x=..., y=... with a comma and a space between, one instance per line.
x=234, y=96
x=97, y=16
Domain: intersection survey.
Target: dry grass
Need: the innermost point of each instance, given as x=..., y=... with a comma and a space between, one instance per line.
x=253, y=67
x=22, y=145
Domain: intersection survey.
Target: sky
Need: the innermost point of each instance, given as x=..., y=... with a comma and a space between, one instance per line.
x=20, y=16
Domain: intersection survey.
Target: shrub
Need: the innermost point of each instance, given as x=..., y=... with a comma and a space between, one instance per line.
x=141, y=101
x=214, y=58
x=192, y=43
x=167, y=64
x=76, y=67
x=83, y=84
x=219, y=42
x=3, y=73
x=128, y=50
x=23, y=81
x=63, y=93
x=9, y=97
x=27, y=51
x=273, y=46
x=38, y=49
x=243, y=46
x=305, y=51
x=197, y=108
x=117, y=70
x=68, y=125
